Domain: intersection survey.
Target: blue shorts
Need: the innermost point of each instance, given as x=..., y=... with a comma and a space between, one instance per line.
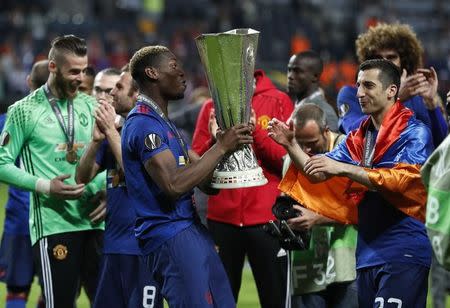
x=189, y=272
x=16, y=260
x=125, y=281
x=393, y=285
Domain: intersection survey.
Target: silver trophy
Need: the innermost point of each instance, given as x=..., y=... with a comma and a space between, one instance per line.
x=229, y=62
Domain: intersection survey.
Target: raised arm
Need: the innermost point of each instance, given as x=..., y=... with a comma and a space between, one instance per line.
x=319, y=167
x=268, y=151
x=428, y=90
x=105, y=116
x=284, y=136
x=88, y=168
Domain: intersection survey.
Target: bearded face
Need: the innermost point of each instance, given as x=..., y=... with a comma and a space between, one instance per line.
x=124, y=96
x=68, y=75
x=66, y=87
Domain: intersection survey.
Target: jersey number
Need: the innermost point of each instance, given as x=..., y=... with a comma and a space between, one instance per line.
x=391, y=300
x=148, y=297
x=432, y=210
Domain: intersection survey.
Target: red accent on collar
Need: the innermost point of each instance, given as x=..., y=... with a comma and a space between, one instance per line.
x=392, y=126
x=142, y=108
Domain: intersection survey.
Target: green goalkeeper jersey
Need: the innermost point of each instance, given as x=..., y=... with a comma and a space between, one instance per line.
x=32, y=130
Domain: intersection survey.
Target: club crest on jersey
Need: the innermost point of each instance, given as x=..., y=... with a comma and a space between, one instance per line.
x=4, y=138
x=83, y=119
x=152, y=142
x=263, y=121
x=60, y=252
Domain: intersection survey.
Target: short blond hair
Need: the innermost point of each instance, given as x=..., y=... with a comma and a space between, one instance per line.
x=143, y=58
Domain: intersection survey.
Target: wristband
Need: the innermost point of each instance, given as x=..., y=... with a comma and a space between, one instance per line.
x=43, y=186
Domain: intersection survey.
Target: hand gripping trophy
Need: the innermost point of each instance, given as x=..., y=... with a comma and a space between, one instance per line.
x=229, y=61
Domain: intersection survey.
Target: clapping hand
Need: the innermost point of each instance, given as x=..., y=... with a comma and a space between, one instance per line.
x=281, y=133
x=424, y=83
x=105, y=117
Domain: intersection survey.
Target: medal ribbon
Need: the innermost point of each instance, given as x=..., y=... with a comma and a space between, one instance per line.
x=149, y=102
x=369, y=148
x=69, y=131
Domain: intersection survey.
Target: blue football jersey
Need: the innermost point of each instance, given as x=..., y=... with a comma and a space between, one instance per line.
x=386, y=234
x=120, y=215
x=144, y=135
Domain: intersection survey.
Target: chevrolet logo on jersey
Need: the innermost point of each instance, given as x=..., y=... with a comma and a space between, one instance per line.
x=62, y=147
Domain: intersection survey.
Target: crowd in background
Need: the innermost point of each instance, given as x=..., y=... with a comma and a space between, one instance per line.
x=115, y=29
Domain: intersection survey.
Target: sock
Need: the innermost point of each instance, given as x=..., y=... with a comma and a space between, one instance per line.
x=41, y=302
x=15, y=301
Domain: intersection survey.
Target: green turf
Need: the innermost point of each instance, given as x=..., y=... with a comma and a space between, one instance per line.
x=248, y=297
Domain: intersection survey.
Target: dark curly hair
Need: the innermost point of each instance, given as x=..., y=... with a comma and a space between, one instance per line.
x=399, y=37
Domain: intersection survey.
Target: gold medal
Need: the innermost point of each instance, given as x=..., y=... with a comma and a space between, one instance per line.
x=71, y=156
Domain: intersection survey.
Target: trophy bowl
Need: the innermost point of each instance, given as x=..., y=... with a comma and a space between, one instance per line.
x=229, y=62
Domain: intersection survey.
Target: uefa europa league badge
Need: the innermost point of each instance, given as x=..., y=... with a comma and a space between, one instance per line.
x=229, y=62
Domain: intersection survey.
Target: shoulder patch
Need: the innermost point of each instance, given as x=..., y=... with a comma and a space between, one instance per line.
x=343, y=109
x=143, y=109
x=152, y=142
x=4, y=138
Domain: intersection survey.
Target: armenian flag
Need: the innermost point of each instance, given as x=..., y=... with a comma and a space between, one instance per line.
x=402, y=146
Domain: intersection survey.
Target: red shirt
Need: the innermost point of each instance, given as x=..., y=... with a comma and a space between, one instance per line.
x=252, y=205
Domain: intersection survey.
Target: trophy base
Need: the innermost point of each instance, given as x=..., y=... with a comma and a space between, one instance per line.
x=238, y=179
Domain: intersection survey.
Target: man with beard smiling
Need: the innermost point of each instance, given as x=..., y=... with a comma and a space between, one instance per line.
x=49, y=130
